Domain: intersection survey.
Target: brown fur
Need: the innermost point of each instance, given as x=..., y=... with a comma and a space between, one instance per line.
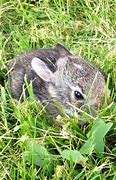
x=69, y=73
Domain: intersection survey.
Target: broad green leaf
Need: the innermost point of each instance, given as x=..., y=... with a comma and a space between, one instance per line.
x=99, y=128
x=96, y=137
x=88, y=147
x=74, y=155
x=36, y=154
x=33, y=158
x=114, y=178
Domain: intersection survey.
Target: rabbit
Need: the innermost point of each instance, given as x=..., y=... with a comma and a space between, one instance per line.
x=58, y=76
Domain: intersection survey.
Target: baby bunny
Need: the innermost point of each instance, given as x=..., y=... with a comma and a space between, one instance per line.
x=58, y=76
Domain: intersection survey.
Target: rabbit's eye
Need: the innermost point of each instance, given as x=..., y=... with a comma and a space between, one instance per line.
x=78, y=95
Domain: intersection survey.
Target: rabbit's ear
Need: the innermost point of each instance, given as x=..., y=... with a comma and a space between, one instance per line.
x=42, y=70
x=62, y=50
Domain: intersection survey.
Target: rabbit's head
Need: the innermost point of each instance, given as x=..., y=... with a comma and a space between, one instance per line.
x=74, y=83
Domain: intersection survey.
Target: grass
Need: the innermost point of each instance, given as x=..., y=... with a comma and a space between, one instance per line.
x=30, y=147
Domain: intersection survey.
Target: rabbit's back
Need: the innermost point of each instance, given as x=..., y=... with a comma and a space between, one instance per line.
x=21, y=66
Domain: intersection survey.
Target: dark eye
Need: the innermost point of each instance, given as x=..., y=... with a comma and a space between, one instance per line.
x=78, y=95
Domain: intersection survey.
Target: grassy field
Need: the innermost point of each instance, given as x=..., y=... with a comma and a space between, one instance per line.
x=30, y=147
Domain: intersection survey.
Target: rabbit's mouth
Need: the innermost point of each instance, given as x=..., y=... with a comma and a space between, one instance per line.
x=70, y=112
